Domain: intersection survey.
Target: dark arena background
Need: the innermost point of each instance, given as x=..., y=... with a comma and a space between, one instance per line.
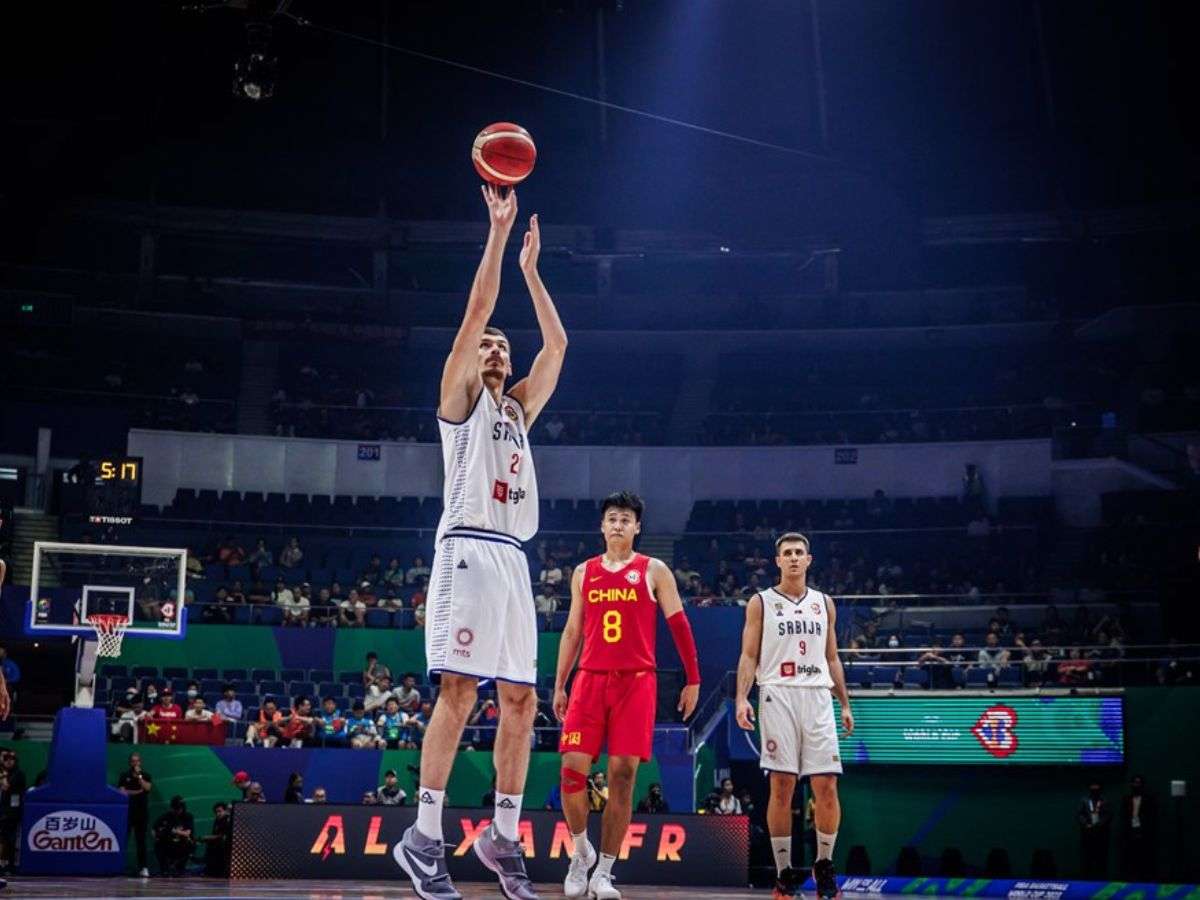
x=917, y=279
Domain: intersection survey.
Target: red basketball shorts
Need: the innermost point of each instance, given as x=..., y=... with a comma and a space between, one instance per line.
x=619, y=706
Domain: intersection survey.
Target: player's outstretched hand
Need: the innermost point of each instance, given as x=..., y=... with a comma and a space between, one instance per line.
x=532, y=246
x=560, y=705
x=688, y=698
x=502, y=207
x=847, y=722
x=745, y=715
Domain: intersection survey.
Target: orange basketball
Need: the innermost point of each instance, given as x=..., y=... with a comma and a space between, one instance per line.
x=503, y=154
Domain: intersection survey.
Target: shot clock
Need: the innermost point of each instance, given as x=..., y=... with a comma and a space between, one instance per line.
x=106, y=490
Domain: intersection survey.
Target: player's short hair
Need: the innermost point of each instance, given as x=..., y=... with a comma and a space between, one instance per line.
x=788, y=537
x=623, y=500
x=496, y=332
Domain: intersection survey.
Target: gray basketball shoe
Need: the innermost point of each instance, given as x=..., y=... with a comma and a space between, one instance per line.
x=507, y=860
x=424, y=859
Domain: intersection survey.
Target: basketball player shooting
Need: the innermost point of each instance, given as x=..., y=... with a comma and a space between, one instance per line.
x=480, y=621
x=790, y=649
x=614, y=600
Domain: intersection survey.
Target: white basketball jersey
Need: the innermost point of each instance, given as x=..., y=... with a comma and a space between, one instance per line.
x=490, y=481
x=794, y=632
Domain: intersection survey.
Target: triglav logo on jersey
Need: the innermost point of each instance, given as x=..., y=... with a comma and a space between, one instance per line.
x=995, y=729
x=503, y=494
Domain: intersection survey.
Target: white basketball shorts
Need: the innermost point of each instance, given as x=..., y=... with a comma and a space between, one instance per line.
x=479, y=614
x=798, y=731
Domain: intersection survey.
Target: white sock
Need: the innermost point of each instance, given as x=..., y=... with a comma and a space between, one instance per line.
x=583, y=847
x=429, y=812
x=825, y=845
x=781, y=847
x=508, y=814
x=605, y=865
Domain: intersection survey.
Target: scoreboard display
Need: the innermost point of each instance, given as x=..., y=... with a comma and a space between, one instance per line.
x=985, y=730
x=106, y=490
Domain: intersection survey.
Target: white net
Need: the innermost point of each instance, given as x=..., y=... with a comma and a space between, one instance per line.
x=110, y=632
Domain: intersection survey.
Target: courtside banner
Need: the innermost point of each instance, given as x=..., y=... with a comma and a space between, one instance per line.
x=343, y=841
x=1013, y=889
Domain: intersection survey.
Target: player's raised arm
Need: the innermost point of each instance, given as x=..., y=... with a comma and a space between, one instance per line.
x=662, y=583
x=569, y=644
x=533, y=391
x=836, y=672
x=748, y=661
x=461, y=373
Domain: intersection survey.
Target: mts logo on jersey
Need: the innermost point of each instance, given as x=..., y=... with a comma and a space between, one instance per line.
x=502, y=494
x=995, y=729
x=612, y=595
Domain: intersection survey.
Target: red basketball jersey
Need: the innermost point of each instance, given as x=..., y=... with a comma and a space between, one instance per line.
x=619, y=617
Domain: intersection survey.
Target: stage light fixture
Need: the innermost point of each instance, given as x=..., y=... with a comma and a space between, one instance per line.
x=255, y=73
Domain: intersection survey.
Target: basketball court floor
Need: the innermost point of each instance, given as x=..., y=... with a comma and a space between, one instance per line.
x=200, y=888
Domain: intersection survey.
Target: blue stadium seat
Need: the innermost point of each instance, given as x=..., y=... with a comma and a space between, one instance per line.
x=378, y=618
x=406, y=618
x=293, y=674
x=883, y=677
x=268, y=615
x=145, y=672
x=855, y=675
x=234, y=674
x=330, y=689
x=176, y=672
x=914, y=676
x=244, y=687
x=356, y=691
x=212, y=686
x=263, y=675
x=977, y=677
x=1010, y=677
x=204, y=673
x=112, y=669
x=275, y=687
x=320, y=675
x=118, y=684
x=350, y=678
x=242, y=614
x=301, y=689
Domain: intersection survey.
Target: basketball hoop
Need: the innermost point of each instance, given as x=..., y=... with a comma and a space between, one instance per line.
x=110, y=631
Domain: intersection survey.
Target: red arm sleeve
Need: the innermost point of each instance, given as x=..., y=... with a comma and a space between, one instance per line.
x=681, y=633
